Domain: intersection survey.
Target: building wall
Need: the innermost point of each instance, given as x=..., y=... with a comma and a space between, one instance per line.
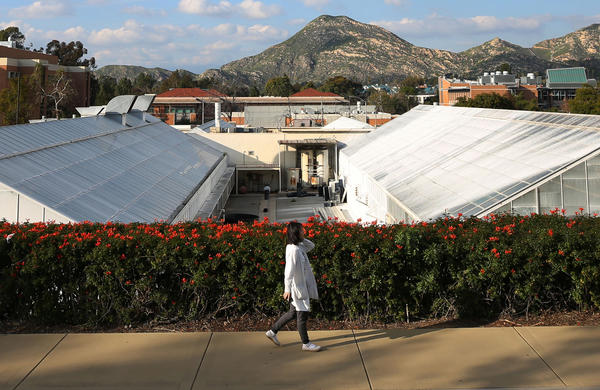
x=24, y=62
x=18, y=208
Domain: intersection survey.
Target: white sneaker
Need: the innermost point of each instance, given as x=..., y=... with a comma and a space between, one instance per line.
x=273, y=337
x=310, y=347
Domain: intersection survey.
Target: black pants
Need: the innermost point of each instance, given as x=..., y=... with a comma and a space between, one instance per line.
x=301, y=317
x=267, y=192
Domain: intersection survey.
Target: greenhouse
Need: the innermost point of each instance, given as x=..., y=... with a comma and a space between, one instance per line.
x=435, y=161
x=119, y=164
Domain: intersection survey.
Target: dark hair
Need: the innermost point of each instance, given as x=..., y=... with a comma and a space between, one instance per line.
x=294, y=232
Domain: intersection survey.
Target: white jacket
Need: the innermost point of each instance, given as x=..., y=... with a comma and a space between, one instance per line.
x=299, y=278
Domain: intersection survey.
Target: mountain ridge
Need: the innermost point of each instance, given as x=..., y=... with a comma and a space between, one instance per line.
x=340, y=46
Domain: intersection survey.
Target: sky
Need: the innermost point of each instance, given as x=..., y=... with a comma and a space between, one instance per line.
x=200, y=34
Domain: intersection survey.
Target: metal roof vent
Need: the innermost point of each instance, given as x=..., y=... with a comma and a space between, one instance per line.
x=120, y=105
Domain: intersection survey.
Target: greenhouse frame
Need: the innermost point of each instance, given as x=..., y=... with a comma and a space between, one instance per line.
x=435, y=161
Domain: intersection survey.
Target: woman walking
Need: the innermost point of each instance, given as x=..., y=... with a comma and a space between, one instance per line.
x=299, y=285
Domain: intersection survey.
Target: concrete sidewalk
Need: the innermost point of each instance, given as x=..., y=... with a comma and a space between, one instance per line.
x=465, y=358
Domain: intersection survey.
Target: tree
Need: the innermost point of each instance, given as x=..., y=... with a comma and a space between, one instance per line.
x=177, y=79
x=279, y=86
x=341, y=86
x=384, y=102
x=59, y=89
x=586, y=101
x=254, y=91
x=124, y=87
x=12, y=33
x=70, y=54
x=143, y=83
x=487, y=100
x=520, y=102
x=20, y=93
x=505, y=67
x=107, y=89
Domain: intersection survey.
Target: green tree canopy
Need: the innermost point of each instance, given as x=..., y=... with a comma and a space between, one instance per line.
x=107, y=89
x=505, y=67
x=143, y=83
x=341, y=86
x=487, y=100
x=279, y=86
x=70, y=54
x=22, y=93
x=14, y=34
x=124, y=87
x=587, y=101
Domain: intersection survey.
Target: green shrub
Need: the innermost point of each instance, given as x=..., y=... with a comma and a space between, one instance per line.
x=115, y=274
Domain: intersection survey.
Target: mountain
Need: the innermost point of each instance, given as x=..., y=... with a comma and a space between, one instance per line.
x=131, y=72
x=491, y=54
x=338, y=45
x=581, y=45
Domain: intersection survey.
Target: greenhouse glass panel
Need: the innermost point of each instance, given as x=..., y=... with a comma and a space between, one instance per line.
x=525, y=204
x=593, y=171
x=574, y=190
x=549, y=195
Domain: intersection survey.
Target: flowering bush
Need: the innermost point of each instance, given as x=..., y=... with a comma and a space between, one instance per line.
x=115, y=274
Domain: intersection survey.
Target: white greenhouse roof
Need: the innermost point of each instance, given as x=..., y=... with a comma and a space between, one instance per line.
x=345, y=123
x=97, y=169
x=436, y=159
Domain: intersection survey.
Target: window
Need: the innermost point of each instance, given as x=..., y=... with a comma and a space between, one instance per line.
x=525, y=204
x=574, y=189
x=593, y=171
x=549, y=195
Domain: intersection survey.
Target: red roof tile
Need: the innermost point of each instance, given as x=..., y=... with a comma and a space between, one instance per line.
x=311, y=92
x=191, y=92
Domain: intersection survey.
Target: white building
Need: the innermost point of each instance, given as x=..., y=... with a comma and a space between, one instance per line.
x=437, y=160
x=123, y=165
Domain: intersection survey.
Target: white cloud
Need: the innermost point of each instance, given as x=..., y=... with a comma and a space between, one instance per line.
x=396, y=2
x=252, y=9
x=315, y=3
x=435, y=24
x=205, y=7
x=140, y=10
x=296, y=22
x=236, y=32
x=42, y=9
x=258, y=10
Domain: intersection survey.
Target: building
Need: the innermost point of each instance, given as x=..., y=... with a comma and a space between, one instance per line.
x=17, y=63
x=307, y=108
x=562, y=85
x=121, y=164
x=435, y=161
x=185, y=106
x=501, y=83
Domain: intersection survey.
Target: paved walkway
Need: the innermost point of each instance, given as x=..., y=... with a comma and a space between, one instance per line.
x=473, y=358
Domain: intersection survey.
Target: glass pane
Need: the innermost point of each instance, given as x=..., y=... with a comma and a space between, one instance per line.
x=550, y=196
x=574, y=189
x=594, y=184
x=525, y=204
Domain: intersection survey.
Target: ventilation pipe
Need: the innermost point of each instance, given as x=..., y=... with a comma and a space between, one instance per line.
x=218, y=114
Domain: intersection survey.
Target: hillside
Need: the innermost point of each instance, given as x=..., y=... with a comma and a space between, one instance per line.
x=581, y=45
x=491, y=54
x=339, y=46
x=131, y=72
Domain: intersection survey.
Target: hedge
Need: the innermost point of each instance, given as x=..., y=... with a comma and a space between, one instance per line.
x=117, y=274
